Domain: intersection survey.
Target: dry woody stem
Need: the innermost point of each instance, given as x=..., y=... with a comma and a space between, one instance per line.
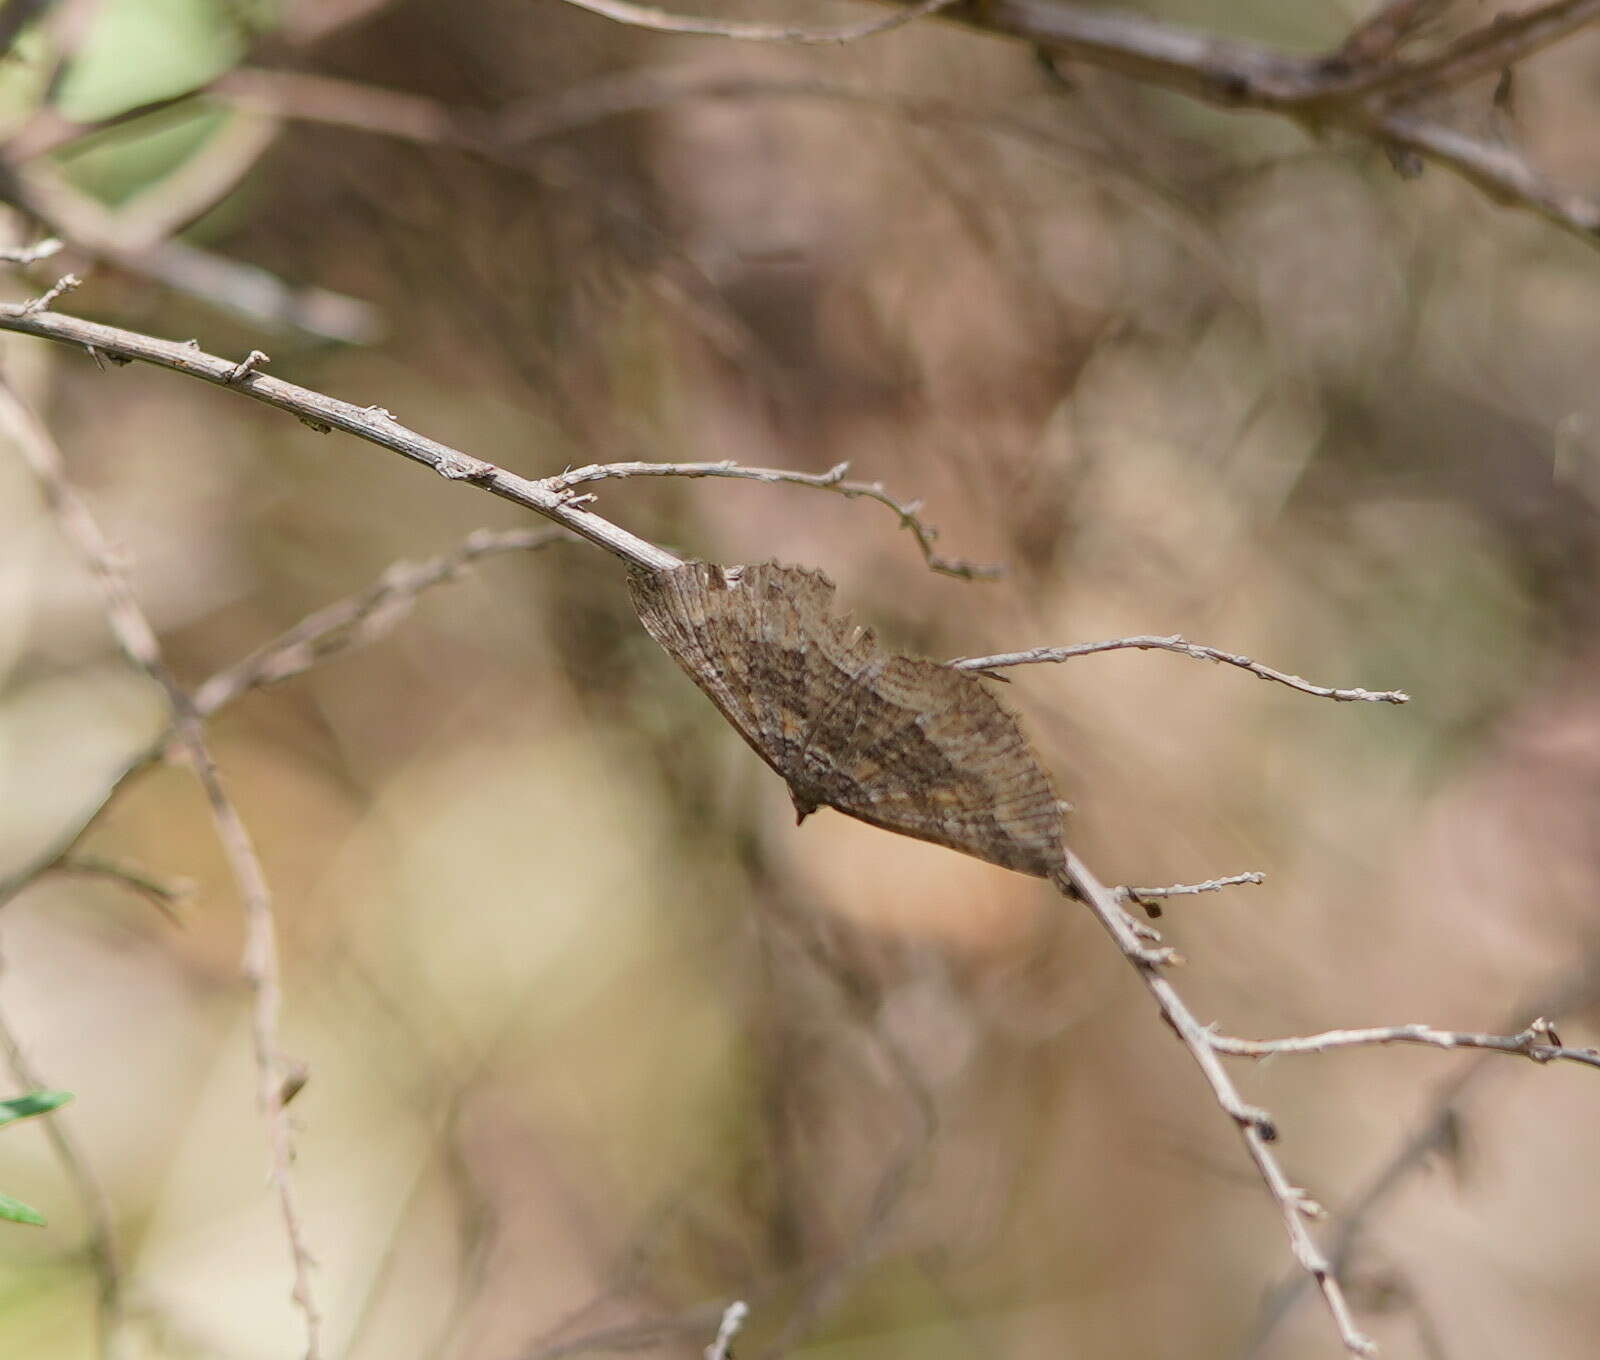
x=137, y=639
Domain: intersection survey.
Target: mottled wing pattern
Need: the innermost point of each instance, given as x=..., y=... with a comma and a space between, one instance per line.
x=903, y=743
x=927, y=751
x=686, y=611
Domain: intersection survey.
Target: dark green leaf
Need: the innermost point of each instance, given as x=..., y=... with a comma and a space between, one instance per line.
x=35, y=1102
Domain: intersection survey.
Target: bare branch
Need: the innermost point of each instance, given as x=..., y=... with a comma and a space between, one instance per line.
x=831, y=480
x=1498, y=170
x=1319, y=91
x=1437, y=1132
x=244, y=290
x=137, y=638
x=1537, y=1041
x=1187, y=889
x=323, y=413
x=338, y=627
x=360, y=618
x=1176, y=643
x=660, y=21
x=1256, y=1127
x=1506, y=40
x=56, y=854
x=1146, y=897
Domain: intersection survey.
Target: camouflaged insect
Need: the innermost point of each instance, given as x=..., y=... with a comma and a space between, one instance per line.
x=907, y=744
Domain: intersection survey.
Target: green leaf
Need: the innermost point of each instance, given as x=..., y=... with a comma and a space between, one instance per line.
x=35, y=1102
x=141, y=50
x=18, y=1212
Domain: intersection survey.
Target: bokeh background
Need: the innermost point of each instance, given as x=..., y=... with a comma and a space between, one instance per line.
x=597, y=1039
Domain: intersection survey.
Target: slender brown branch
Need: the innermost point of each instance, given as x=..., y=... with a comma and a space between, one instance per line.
x=245, y=290
x=1321, y=91
x=360, y=618
x=831, y=480
x=323, y=413
x=1534, y=1042
x=661, y=21
x=339, y=627
x=1506, y=40
x=137, y=639
x=1438, y=1131
x=54, y=855
x=1176, y=643
x=1256, y=1127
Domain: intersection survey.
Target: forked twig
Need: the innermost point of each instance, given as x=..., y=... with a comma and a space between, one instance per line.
x=360, y=618
x=137, y=639
x=346, y=624
x=831, y=480
x=1256, y=1127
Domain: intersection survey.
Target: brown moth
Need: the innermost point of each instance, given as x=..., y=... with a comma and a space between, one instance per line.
x=904, y=743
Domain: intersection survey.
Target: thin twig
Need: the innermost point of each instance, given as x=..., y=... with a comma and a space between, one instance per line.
x=245, y=290
x=1319, y=90
x=65, y=284
x=1176, y=643
x=1438, y=1131
x=660, y=21
x=137, y=639
x=1147, y=897
x=733, y=1319
x=163, y=893
x=339, y=627
x=104, y=1252
x=54, y=855
x=361, y=618
x=831, y=480
x=1256, y=1127
x=1188, y=889
x=1535, y=1042
x=323, y=413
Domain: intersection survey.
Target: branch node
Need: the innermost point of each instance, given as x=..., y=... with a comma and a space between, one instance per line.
x=65, y=284
x=246, y=366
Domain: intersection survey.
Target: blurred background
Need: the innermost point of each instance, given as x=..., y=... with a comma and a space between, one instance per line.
x=597, y=1039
